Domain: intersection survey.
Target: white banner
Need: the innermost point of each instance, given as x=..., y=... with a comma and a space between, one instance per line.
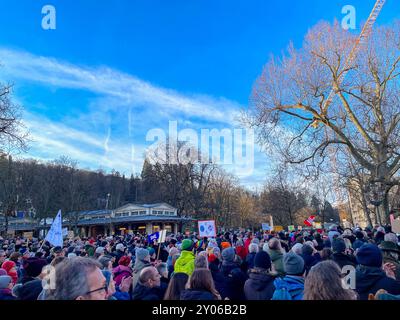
x=162, y=236
x=55, y=235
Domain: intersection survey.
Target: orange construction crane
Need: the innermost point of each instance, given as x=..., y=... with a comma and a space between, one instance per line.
x=361, y=40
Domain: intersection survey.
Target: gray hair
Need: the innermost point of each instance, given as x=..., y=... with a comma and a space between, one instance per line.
x=201, y=262
x=253, y=247
x=391, y=237
x=72, y=278
x=104, y=261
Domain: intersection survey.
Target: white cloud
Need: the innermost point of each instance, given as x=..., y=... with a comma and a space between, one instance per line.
x=105, y=81
x=123, y=106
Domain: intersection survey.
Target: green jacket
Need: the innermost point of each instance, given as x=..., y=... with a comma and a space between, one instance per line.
x=185, y=263
x=277, y=261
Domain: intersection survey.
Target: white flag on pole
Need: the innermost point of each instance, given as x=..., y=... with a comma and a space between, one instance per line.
x=55, y=236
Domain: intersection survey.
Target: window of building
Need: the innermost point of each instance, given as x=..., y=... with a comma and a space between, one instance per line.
x=125, y=214
x=134, y=213
x=119, y=214
x=142, y=213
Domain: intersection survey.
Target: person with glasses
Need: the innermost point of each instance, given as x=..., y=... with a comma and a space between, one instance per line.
x=148, y=286
x=79, y=279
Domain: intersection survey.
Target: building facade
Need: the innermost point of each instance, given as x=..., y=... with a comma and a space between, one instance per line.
x=130, y=218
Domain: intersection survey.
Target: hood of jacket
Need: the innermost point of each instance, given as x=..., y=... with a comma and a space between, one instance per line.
x=185, y=262
x=275, y=255
x=139, y=265
x=260, y=279
x=367, y=277
x=290, y=282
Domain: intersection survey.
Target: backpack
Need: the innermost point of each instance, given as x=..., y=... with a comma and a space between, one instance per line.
x=285, y=291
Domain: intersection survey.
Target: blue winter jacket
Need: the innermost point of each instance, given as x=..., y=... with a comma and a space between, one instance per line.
x=289, y=288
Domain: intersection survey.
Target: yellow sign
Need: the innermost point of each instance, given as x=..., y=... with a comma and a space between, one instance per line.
x=278, y=228
x=317, y=225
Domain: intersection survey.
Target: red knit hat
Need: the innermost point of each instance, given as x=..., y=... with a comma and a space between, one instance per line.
x=8, y=265
x=212, y=258
x=125, y=261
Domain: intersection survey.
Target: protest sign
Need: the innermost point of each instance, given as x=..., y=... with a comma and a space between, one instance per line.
x=207, y=228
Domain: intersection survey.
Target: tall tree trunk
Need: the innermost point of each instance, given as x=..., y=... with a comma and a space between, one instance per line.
x=386, y=208
x=366, y=210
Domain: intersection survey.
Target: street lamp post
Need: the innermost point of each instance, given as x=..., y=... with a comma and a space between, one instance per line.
x=107, y=202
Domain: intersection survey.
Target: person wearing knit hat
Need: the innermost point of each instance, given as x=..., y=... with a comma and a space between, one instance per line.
x=187, y=245
x=232, y=284
x=339, y=255
x=290, y=287
x=185, y=262
x=225, y=245
x=142, y=261
x=30, y=286
x=297, y=248
x=228, y=255
x=359, y=240
x=371, y=276
x=391, y=254
x=33, y=267
x=124, y=261
x=11, y=269
x=123, y=270
x=5, y=288
x=260, y=285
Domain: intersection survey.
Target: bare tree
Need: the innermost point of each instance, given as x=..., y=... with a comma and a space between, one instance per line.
x=12, y=131
x=363, y=120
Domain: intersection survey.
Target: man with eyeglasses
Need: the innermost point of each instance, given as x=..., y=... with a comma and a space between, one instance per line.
x=79, y=279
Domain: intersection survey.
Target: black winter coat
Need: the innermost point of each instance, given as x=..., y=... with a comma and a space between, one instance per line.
x=344, y=260
x=29, y=290
x=144, y=293
x=197, y=295
x=310, y=261
x=5, y=294
x=370, y=280
x=233, y=282
x=260, y=285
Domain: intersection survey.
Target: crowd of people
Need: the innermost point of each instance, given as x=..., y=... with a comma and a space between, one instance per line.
x=334, y=264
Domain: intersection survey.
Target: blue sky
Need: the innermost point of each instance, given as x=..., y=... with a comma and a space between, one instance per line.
x=113, y=70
